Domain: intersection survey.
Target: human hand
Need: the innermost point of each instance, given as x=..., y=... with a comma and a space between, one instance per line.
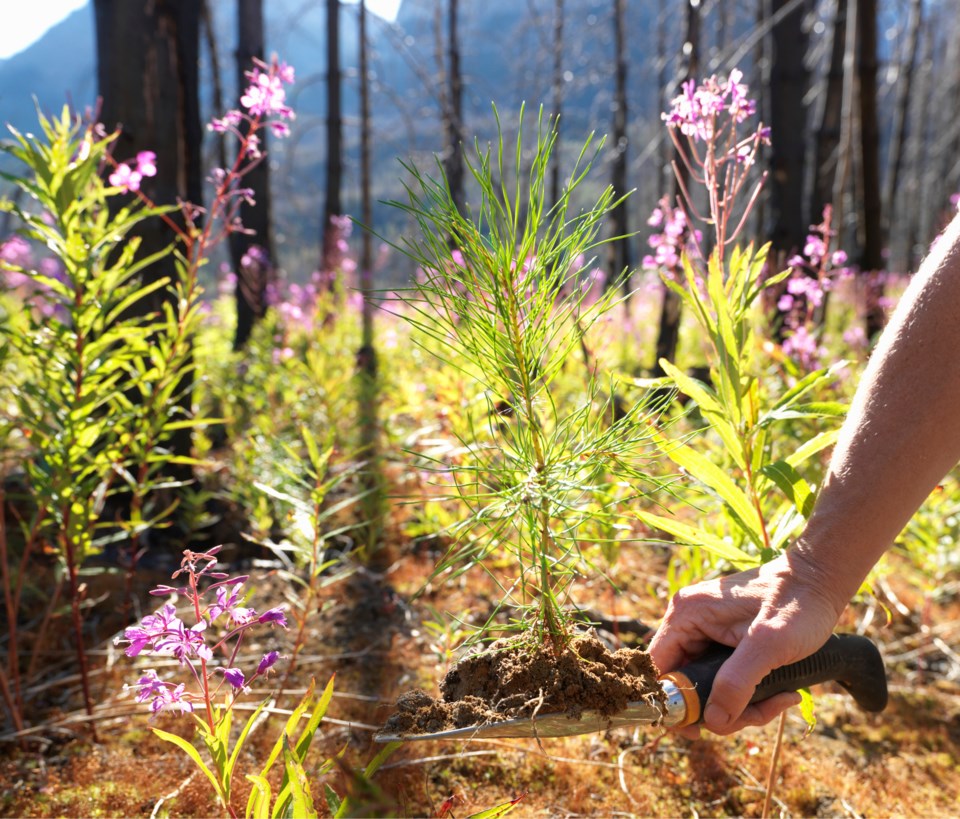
x=773, y=615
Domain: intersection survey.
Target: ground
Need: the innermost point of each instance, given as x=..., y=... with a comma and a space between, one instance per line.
x=372, y=631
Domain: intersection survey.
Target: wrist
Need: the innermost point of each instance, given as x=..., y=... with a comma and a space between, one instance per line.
x=825, y=573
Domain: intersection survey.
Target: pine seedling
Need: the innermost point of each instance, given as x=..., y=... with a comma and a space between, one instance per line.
x=505, y=297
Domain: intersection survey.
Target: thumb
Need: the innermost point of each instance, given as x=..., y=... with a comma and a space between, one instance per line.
x=736, y=682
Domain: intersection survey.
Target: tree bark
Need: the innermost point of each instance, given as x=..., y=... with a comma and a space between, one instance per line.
x=148, y=79
x=619, y=249
x=871, y=258
x=367, y=364
x=558, y=15
x=333, y=207
x=831, y=118
x=253, y=270
x=668, y=333
x=453, y=110
x=901, y=113
x=789, y=80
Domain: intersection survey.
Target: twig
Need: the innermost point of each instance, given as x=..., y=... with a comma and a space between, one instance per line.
x=774, y=764
x=172, y=795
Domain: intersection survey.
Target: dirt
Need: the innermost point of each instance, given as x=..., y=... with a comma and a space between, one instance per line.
x=510, y=680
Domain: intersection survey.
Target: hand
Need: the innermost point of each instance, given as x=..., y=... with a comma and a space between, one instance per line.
x=773, y=615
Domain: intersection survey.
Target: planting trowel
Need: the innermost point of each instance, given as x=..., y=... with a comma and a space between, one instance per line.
x=850, y=660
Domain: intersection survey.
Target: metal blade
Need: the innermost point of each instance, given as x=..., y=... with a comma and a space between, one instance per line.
x=549, y=725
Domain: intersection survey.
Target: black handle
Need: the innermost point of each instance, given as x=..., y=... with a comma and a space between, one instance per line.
x=852, y=661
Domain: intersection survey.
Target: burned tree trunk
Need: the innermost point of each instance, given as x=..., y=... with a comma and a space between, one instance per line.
x=871, y=258
x=619, y=258
x=332, y=207
x=668, y=333
x=252, y=253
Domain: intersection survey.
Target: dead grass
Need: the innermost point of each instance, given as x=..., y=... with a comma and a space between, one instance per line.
x=902, y=763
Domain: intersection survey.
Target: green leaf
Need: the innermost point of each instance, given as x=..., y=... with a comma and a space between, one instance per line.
x=713, y=477
x=333, y=800
x=499, y=810
x=792, y=484
x=288, y=729
x=813, y=446
x=258, y=805
x=808, y=709
x=232, y=762
x=302, y=799
x=192, y=752
x=711, y=408
x=690, y=536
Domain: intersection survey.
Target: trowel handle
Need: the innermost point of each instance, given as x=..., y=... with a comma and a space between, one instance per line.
x=849, y=659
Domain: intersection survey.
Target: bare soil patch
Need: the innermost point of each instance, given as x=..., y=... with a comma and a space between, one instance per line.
x=511, y=680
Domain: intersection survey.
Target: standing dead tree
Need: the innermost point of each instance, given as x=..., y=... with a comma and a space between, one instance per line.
x=252, y=250
x=668, y=333
x=619, y=249
x=332, y=204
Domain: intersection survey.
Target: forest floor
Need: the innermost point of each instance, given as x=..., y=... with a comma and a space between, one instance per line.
x=369, y=630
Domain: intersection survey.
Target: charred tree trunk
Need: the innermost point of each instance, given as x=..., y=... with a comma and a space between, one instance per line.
x=871, y=259
x=831, y=120
x=252, y=253
x=668, y=333
x=148, y=79
x=789, y=80
x=558, y=14
x=332, y=205
x=898, y=144
x=619, y=248
x=920, y=140
x=367, y=368
x=453, y=109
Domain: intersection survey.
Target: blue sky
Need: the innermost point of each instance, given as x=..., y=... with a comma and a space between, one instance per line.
x=30, y=27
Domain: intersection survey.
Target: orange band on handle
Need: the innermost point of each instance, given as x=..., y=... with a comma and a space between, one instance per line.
x=689, y=693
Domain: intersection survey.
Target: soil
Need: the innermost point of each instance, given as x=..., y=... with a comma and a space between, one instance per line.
x=511, y=679
x=375, y=632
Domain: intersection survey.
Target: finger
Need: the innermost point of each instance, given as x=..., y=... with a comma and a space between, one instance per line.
x=761, y=713
x=737, y=680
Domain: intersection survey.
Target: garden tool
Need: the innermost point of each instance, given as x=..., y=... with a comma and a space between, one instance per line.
x=848, y=659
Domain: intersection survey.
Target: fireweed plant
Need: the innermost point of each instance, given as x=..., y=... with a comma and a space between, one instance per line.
x=220, y=617
x=106, y=378
x=504, y=298
x=733, y=460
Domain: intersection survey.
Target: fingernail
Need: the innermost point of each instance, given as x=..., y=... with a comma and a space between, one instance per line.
x=715, y=717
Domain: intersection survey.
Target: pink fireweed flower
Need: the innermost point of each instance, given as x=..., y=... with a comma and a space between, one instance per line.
x=274, y=615
x=227, y=598
x=147, y=163
x=267, y=662
x=162, y=694
x=129, y=178
x=125, y=178
x=266, y=96
x=234, y=676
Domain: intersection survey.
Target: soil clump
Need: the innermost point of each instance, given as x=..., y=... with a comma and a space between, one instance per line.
x=508, y=680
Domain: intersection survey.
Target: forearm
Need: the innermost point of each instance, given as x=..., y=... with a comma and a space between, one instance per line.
x=902, y=434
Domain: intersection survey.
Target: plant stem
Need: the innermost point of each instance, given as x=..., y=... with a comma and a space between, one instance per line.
x=204, y=677
x=774, y=764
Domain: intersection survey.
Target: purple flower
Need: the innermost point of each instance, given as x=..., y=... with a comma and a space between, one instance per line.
x=151, y=628
x=275, y=615
x=267, y=662
x=164, y=695
x=147, y=163
x=228, y=595
x=265, y=96
x=234, y=676
x=125, y=178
